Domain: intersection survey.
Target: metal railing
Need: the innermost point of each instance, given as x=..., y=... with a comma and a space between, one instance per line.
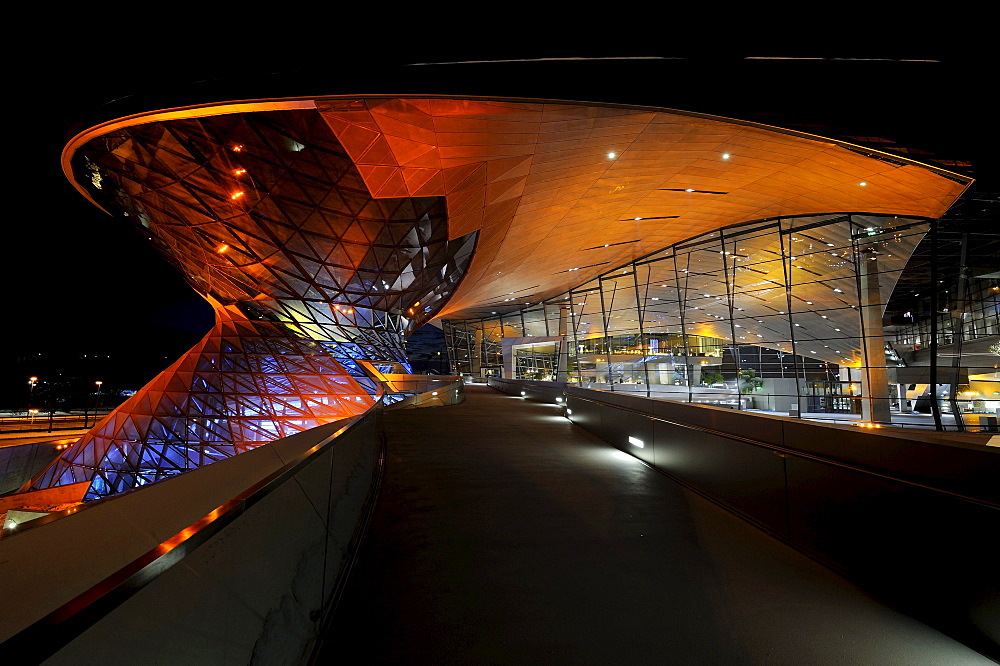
x=45, y=422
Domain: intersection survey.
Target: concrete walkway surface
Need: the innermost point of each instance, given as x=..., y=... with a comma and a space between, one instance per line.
x=506, y=535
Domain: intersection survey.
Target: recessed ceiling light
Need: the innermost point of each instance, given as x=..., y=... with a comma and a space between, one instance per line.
x=863, y=184
x=612, y=155
x=725, y=156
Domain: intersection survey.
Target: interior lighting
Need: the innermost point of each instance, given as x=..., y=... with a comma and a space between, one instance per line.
x=635, y=441
x=237, y=147
x=236, y=195
x=434, y=393
x=522, y=394
x=612, y=155
x=222, y=248
x=569, y=412
x=689, y=189
x=839, y=291
x=725, y=156
x=863, y=184
x=239, y=172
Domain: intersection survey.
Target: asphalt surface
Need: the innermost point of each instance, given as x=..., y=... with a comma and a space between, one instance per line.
x=504, y=534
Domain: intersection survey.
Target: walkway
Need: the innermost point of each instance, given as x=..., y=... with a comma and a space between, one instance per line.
x=504, y=534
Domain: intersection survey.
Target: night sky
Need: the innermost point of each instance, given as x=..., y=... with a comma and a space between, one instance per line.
x=82, y=283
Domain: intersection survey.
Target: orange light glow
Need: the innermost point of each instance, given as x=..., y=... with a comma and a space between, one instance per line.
x=236, y=195
x=222, y=248
x=238, y=147
x=239, y=172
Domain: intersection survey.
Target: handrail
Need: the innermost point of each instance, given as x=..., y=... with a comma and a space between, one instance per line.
x=59, y=628
x=795, y=452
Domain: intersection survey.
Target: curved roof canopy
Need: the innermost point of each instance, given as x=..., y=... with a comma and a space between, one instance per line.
x=561, y=191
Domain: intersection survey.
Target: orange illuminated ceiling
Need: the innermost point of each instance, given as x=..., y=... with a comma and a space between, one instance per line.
x=562, y=192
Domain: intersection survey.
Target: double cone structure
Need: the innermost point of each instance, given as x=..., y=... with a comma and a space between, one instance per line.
x=268, y=218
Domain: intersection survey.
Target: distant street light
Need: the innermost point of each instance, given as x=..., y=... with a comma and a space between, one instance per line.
x=31, y=389
x=97, y=404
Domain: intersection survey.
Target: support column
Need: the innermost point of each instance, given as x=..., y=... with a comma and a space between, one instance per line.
x=476, y=360
x=874, y=379
x=564, y=343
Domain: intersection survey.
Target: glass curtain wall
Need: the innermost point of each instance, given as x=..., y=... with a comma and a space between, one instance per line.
x=782, y=315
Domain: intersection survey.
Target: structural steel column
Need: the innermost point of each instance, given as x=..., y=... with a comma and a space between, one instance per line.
x=562, y=374
x=476, y=358
x=874, y=379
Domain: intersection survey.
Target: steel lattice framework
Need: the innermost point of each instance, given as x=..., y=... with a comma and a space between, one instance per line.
x=267, y=216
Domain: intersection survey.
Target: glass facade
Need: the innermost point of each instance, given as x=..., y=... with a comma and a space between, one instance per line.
x=784, y=315
x=310, y=276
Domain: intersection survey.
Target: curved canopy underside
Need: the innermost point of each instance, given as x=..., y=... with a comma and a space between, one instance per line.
x=561, y=192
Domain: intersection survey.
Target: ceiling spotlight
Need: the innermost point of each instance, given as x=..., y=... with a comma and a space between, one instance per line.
x=863, y=184
x=612, y=155
x=725, y=156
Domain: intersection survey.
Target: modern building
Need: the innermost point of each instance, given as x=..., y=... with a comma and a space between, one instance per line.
x=563, y=245
x=626, y=248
